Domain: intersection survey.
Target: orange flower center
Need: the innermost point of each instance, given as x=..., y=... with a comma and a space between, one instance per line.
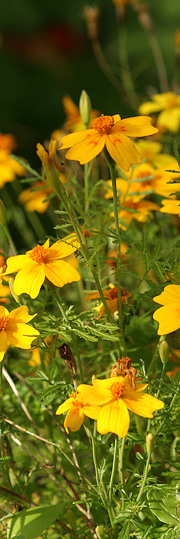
x=4, y=318
x=39, y=254
x=117, y=390
x=75, y=403
x=103, y=124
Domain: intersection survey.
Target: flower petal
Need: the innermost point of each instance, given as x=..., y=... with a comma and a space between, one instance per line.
x=122, y=150
x=138, y=126
x=74, y=138
x=21, y=314
x=87, y=149
x=170, y=294
x=21, y=335
x=114, y=417
x=15, y=263
x=168, y=317
x=29, y=280
x=142, y=404
x=170, y=119
x=149, y=106
x=60, y=273
x=3, y=344
x=74, y=419
x=65, y=406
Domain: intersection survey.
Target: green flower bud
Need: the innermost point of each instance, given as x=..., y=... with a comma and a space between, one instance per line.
x=85, y=108
x=150, y=442
x=3, y=217
x=164, y=351
x=99, y=531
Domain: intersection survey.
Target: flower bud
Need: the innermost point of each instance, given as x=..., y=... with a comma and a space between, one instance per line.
x=150, y=442
x=3, y=217
x=164, y=351
x=99, y=531
x=85, y=108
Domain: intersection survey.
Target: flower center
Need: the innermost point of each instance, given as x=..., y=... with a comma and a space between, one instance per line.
x=113, y=293
x=103, y=124
x=3, y=322
x=39, y=254
x=117, y=390
x=75, y=403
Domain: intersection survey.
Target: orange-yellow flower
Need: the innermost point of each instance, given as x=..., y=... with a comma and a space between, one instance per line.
x=9, y=168
x=152, y=152
x=77, y=408
x=43, y=262
x=168, y=316
x=138, y=210
x=113, y=133
x=34, y=198
x=14, y=330
x=115, y=397
x=112, y=299
x=142, y=179
x=169, y=104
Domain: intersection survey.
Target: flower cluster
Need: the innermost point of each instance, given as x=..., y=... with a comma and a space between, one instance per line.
x=108, y=402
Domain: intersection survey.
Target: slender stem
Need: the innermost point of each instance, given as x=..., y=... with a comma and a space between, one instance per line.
x=61, y=192
x=115, y=203
x=9, y=237
x=146, y=469
x=121, y=477
x=0, y=387
x=111, y=483
x=155, y=356
x=86, y=187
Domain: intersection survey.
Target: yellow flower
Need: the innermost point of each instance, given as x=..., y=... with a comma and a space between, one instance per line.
x=169, y=104
x=139, y=210
x=14, y=330
x=77, y=409
x=152, y=152
x=168, y=316
x=115, y=397
x=43, y=262
x=111, y=297
x=33, y=198
x=9, y=168
x=142, y=179
x=110, y=132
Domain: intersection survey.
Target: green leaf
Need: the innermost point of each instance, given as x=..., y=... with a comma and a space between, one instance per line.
x=173, y=533
x=32, y=522
x=165, y=509
x=26, y=166
x=124, y=533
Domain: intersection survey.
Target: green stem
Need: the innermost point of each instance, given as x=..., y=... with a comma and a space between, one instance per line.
x=111, y=483
x=156, y=355
x=1, y=388
x=99, y=483
x=61, y=192
x=146, y=469
x=9, y=237
x=86, y=187
x=115, y=203
x=121, y=477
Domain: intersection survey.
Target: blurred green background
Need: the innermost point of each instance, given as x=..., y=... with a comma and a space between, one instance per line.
x=45, y=53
